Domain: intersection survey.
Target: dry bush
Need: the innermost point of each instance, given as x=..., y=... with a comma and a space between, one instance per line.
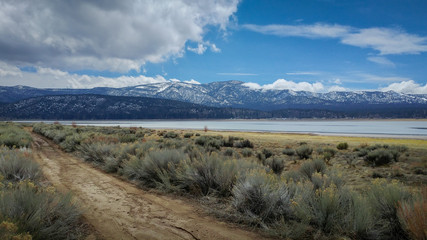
x=413, y=215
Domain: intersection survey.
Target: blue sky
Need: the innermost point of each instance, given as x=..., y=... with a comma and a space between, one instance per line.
x=317, y=45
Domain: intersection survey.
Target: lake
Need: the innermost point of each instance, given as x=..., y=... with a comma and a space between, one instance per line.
x=366, y=128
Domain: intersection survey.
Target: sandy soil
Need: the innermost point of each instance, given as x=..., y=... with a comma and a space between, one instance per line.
x=118, y=210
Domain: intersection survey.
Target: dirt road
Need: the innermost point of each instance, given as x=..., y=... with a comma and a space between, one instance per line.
x=119, y=210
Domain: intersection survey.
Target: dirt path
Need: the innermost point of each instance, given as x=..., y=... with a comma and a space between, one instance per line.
x=119, y=210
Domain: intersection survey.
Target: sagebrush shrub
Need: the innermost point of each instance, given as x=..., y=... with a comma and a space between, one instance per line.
x=342, y=146
x=277, y=165
x=288, y=151
x=262, y=195
x=210, y=175
x=413, y=215
x=379, y=157
x=156, y=169
x=18, y=166
x=43, y=213
x=304, y=151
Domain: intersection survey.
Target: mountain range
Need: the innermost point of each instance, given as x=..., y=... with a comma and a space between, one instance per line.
x=228, y=99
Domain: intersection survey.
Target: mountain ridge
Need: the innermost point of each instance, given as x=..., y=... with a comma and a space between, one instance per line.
x=230, y=94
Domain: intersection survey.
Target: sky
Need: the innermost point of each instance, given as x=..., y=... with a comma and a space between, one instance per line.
x=304, y=45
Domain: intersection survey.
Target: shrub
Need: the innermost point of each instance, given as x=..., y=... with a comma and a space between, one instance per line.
x=211, y=175
x=42, y=213
x=210, y=142
x=247, y=152
x=171, y=134
x=262, y=195
x=229, y=152
x=9, y=231
x=17, y=166
x=188, y=135
x=277, y=165
x=307, y=169
x=267, y=153
x=379, y=157
x=13, y=136
x=325, y=207
x=328, y=153
x=413, y=216
x=243, y=144
x=384, y=198
x=71, y=142
x=96, y=152
x=288, y=151
x=342, y=146
x=157, y=169
x=304, y=151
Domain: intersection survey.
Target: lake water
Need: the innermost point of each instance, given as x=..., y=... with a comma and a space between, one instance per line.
x=368, y=128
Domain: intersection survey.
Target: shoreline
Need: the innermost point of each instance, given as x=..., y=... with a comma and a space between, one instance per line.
x=418, y=131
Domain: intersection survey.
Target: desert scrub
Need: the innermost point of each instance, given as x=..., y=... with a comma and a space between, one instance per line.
x=156, y=169
x=342, y=146
x=379, y=157
x=210, y=142
x=9, y=231
x=97, y=152
x=16, y=165
x=384, y=198
x=304, y=151
x=212, y=175
x=276, y=164
x=243, y=144
x=246, y=152
x=171, y=134
x=262, y=196
x=288, y=152
x=43, y=213
x=12, y=136
x=188, y=135
x=413, y=215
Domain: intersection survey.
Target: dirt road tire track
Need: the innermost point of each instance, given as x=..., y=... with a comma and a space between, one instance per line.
x=119, y=210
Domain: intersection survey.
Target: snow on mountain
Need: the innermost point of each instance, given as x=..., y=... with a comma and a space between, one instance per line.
x=229, y=94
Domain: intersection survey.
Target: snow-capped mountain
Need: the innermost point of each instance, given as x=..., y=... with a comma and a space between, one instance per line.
x=231, y=94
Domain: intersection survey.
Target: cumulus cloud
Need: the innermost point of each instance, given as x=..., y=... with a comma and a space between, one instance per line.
x=192, y=81
x=382, y=61
x=52, y=78
x=407, y=87
x=337, y=89
x=106, y=35
x=282, y=84
x=385, y=40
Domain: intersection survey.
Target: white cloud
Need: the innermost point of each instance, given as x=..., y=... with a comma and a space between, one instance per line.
x=192, y=81
x=318, y=30
x=200, y=49
x=337, y=89
x=382, y=61
x=337, y=81
x=282, y=84
x=9, y=70
x=406, y=87
x=374, y=78
x=106, y=35
x=385, y=40
x=52, y=78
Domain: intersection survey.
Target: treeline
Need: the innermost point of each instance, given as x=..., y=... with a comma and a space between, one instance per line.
x=98, y=107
